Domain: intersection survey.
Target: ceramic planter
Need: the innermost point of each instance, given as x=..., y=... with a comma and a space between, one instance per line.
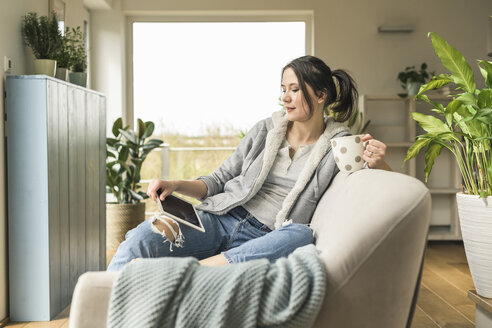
x=78, y=78
x=476, y=226
x=45, y=67
x=413, y=88
x=120, y=218
x=62, y=73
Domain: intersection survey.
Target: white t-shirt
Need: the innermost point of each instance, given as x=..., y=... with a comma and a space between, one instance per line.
x=282, y=177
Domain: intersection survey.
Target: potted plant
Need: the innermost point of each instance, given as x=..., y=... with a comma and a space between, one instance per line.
x=44, y=38
x=78, y=57
x=411, y=79
x=63, y=57
x=126, y=153
x=466, y=130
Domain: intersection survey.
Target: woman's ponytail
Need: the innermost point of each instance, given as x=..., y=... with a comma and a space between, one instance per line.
x=341, y=93
x=347, y=96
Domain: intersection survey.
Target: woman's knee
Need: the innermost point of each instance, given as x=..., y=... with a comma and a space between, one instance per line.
x=299, y=234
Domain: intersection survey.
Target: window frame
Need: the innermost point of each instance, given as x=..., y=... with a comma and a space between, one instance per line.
x=306, y=16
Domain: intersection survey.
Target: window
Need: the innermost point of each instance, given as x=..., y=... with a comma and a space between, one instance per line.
x=190, y=78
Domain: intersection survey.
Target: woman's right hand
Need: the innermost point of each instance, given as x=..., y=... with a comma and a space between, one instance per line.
x=164, y=186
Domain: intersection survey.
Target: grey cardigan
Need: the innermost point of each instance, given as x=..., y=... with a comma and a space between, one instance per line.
x=243, y=173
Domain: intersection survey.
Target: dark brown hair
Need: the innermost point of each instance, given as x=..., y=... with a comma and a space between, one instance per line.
x=314, y=72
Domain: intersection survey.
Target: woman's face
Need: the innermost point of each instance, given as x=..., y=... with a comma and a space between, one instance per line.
x=293, y=99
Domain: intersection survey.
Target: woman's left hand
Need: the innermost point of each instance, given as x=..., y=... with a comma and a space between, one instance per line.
x=374, y=153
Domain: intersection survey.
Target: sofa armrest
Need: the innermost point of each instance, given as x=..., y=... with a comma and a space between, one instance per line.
x=371, y=227
x=90, y=301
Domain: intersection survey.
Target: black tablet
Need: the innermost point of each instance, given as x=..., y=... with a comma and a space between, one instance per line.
x=180, y=210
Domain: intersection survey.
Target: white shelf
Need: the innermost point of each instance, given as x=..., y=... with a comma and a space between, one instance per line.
x=391, y=123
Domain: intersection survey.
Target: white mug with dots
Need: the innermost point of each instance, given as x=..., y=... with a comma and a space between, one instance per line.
x=348, y=153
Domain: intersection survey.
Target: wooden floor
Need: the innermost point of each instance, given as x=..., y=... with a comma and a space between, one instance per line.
x=442, y=301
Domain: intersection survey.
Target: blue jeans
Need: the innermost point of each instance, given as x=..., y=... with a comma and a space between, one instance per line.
x=237, y=235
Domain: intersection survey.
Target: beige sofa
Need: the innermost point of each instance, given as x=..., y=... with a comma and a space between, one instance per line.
x=371, y=227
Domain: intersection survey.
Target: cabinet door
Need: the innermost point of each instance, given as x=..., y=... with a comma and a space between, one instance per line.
x=77, y=177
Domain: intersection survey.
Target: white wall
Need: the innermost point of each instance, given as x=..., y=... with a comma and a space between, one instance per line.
x=345, y=36
x=12, y=45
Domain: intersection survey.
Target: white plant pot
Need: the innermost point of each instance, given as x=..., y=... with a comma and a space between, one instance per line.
x=476, y=226
x=45, y=67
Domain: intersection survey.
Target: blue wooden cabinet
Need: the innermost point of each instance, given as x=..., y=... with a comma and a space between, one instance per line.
x=56, y=136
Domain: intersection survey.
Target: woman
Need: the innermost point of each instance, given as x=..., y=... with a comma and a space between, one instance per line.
x=259, y=202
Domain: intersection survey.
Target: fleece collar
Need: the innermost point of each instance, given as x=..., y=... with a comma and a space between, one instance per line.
x=274, y=139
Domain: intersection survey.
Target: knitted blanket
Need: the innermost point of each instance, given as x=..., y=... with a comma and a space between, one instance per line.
x=179, y=292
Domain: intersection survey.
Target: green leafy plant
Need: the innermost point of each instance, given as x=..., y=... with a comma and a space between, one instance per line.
x=63, y=56
x=126, y=153
x=75, y=47
x=466, y=127
x=42, y=35
x=411, y=75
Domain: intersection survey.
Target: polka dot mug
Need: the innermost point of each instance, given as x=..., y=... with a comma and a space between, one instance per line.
x=348, y=153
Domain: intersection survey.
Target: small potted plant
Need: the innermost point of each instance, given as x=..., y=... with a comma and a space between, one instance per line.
x=465, y=129
x=42, y=35
x=126, y=153
x=63, y=57
x=411, y=79
x=78, y=57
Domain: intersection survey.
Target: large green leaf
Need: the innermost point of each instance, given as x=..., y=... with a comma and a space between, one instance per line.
x=467, y=99
x=135, y=195
x=436, y=82
x=430, y=123
x=452, y=107
x=140, y=128
x=485, y=98
x=431, y=153
x=438, y=106
x=454, y=61
x=117, y=126
x=149, y=129
x=123, y=155
x=130, y=136
x=486, y=70
x=414, y=150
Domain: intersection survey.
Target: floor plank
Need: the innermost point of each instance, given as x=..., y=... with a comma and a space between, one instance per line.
x=422, y=320
x=441, y=312
x=455, y=297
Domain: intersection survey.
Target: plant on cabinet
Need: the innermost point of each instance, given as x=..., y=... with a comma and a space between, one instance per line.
x=44, y=38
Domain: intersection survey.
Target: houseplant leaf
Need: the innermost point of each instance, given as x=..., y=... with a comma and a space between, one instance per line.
x=431, y=153
x=117, y=126
x=486, y=70
x=485, y=98
x=454, y=61
x=436, y=105
x=430, y=123
x=135, y=195
x=414, y=150
x=130, y=136
x=140, y=129
x=436, y=82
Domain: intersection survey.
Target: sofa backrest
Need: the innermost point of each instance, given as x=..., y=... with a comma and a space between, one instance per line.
x=371, y=227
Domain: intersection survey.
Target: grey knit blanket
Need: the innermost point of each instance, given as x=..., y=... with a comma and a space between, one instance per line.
x=179, y=292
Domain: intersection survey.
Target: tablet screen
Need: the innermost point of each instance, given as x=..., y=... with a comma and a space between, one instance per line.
x=181, y=209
